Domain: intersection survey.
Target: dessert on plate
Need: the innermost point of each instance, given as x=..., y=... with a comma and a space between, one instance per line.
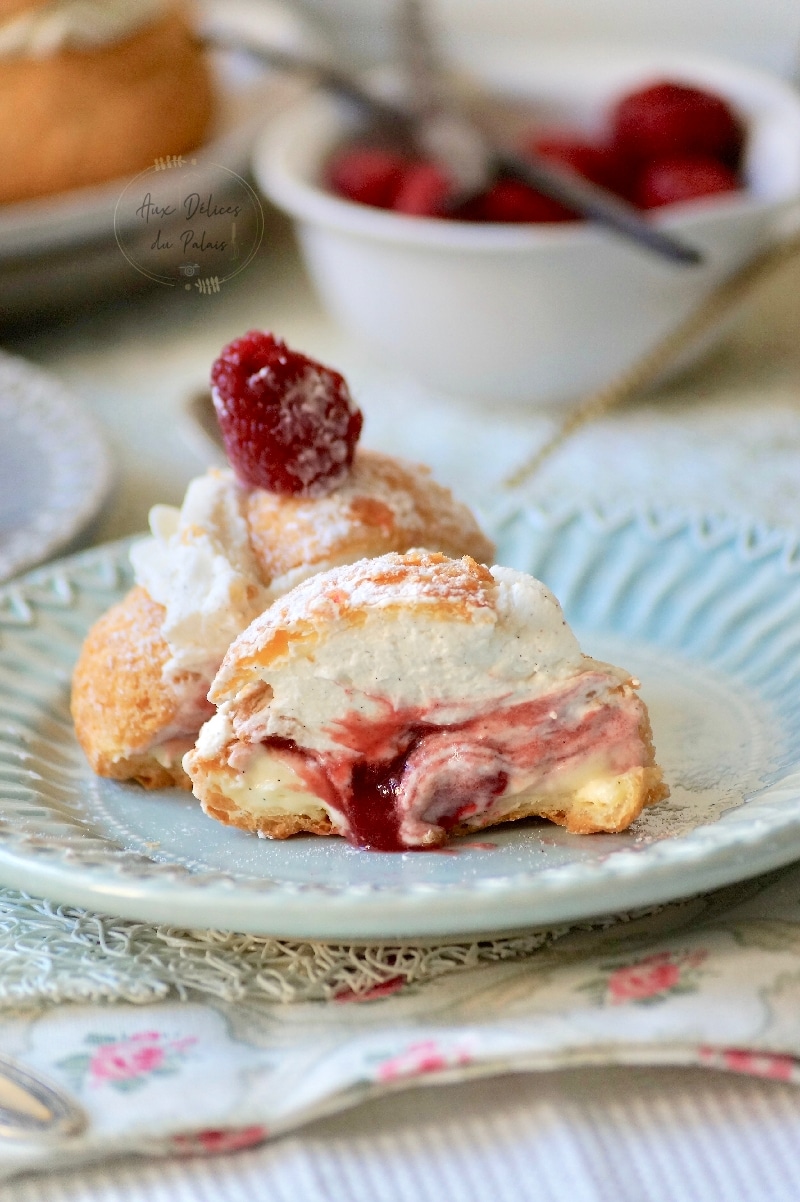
x=301, y=498
x=92, y=90
x=408, y=697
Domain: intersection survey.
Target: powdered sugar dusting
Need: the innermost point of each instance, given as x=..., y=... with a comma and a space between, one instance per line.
x=417, y=578
x=383, y=504
x=289, y=424
x=308, y=401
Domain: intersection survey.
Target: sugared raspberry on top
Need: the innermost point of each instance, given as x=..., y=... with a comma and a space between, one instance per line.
x=667, y=119
x=289, y=424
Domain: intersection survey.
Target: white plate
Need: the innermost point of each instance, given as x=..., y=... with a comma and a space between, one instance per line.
x=55, y=471
x=58, y=251
x=707, y=615
x=85, y=214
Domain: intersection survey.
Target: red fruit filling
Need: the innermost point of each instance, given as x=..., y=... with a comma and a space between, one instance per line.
x=667, y=119
x=369, y=175
x=402, y=780
x=289, y=424
x=673, y=180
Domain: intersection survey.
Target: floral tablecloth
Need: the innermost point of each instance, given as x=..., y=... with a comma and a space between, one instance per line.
x=713, y=981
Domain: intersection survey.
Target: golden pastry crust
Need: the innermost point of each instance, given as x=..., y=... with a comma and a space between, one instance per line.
x=82, y=117
x=121, y=713
x=13, y=8
x=386, y=504
x=226, y=811
x=443, y=585
x=640, y=788
x=120, y=703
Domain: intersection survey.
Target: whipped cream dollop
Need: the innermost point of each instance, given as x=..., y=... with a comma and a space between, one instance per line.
x=200, y=566
x=399, y=653
x=75, y=25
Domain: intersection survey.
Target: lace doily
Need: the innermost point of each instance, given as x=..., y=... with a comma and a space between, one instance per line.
x=54, y=953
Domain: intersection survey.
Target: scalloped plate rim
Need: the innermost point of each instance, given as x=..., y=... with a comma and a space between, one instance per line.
x=705, y=860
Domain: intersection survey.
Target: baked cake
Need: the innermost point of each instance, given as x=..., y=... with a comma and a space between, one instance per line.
x=401, y=699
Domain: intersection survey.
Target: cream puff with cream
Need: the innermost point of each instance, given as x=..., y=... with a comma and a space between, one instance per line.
x=95, y=90
x=401, y=699
x=300, y=498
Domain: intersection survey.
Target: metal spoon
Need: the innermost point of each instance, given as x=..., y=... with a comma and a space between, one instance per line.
x=33, y=1109
x=387, y=119
x=474, y=160
x=470, y=155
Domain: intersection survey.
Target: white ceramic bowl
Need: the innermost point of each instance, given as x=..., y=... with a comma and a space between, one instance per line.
x=531, y=314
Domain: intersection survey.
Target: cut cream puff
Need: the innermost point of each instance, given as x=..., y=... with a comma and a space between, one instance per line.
x=210, y=568
x=405, y=698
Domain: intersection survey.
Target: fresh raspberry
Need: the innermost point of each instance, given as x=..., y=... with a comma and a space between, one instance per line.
x=424, y=191
x=686, y=178
x=510, y=200
x=600, y=163
x=289, y=424
x=667, y=119
x=369, y=175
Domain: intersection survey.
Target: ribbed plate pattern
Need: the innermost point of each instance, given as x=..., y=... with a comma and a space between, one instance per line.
x=706, y=613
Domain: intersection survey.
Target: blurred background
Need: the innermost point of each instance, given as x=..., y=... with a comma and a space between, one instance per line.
x=75, y=302
x=765, y=33
x=39, y=273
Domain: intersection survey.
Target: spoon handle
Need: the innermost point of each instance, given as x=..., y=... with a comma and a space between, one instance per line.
x=418, y=59
x=33, y=1109
x=442, y=129
x=597, y=204
x=474, y=160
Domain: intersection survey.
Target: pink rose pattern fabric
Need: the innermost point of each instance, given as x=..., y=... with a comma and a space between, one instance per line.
x=650, y=979
x=713, y=981
x=126, y=1063
x=424, y=1056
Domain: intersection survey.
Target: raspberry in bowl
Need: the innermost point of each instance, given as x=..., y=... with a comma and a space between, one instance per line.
x=661, y=144
x=537, y=311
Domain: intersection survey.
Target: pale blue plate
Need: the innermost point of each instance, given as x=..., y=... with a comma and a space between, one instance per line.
x=707, y=615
